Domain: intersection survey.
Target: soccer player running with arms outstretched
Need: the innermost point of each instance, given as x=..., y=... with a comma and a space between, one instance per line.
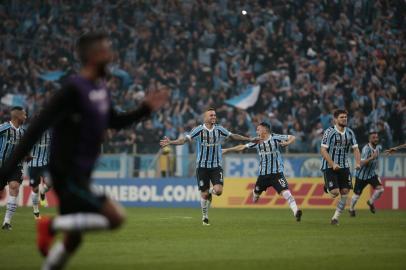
x=79, y=114
x=368, y=174
x=270, y=172
x=208, y=138
x=335, y=145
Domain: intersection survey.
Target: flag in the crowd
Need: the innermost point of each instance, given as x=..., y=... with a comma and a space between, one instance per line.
x=246, y=99
x=52, y=75
x=13, y=100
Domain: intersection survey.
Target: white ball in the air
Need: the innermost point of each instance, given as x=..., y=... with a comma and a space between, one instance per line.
x=244, y=12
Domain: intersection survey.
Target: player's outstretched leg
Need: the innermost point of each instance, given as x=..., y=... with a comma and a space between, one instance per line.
x=354, y=200
x=292, y=204
x=340, y=206
x=205, y=200
x=35, y=202
x=376, y=195
x=111, y=216
x=358, y=188
x=14, y=187
x=35, y=180
x=61, y=251
x=255, y=196
x=42, y=192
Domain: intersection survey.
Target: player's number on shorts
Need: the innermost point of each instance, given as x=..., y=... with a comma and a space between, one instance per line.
x=221, y=176
x=282, y=182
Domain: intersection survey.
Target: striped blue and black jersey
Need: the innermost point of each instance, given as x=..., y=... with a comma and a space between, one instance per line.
x=270, y=157
x=338, y=145
x=40, y=151
x=9, y=137
x=208, y=145
x=368, y=170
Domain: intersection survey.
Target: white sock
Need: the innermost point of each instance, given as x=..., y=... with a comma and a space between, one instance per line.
x=35, y=201
x=10, y=209
x=354, y=200
x=292, y=203
x=340, y=206
x=377, y=193
x=80, y=222
x=56, y=258
x=204, y=204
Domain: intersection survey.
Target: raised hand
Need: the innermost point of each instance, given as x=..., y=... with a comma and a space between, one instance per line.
x=164, y=142
x=336, y=167
x=390, y=151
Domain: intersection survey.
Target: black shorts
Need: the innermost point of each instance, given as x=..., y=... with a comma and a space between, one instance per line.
x=340, y=179
x=275, y=180
x=16, y=175
x=77, y=198
x=205, y=176
x=35, y=175
x=361, y=184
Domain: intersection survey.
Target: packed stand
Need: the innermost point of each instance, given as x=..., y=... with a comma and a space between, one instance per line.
x=308, y=56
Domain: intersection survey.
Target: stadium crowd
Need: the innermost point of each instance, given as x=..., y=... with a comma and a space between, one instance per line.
x=308, y=56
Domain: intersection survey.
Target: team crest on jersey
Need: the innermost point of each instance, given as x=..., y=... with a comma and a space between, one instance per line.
x=100, y=97
x=330, y=184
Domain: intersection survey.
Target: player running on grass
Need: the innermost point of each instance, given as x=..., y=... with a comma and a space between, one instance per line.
x=10, y=134
x=335, y=145
x=208, y=138
x=270, y=172
x=368, y=174
x=79, y=114
x=37, y=169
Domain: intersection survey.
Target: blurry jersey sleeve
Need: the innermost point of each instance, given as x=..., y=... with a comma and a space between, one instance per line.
x=354, y=142
x=251, y=145
x=366, y=152
x=224, y=132
x=194, y=133
x=280, y=137
x=3, y=128
x=326, y=138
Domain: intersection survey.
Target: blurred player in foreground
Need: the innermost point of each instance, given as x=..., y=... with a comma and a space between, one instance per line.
x=270, y=172
x=208, y=138
x=335, y=145
x=368, y=174
x=79, y=114
x=37, y=169
x=10, y=134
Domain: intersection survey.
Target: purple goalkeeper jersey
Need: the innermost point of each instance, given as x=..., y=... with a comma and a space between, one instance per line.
x=78, y=116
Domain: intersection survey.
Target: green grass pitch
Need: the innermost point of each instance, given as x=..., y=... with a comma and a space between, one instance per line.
x=237, y=239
